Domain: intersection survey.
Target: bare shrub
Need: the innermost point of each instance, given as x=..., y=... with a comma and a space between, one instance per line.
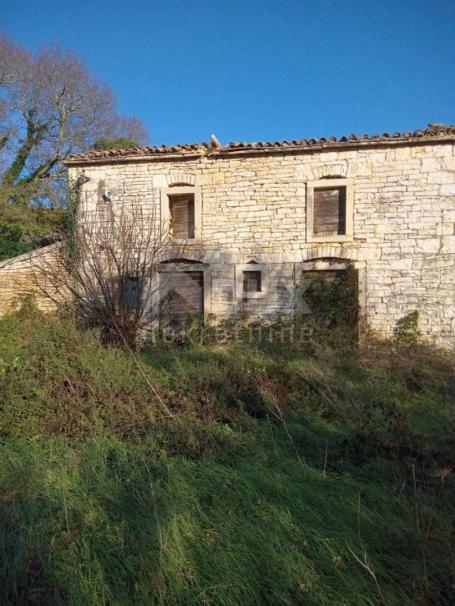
x=107, y=266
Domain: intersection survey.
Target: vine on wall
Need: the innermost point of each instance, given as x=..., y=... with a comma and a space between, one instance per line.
x=333, y=300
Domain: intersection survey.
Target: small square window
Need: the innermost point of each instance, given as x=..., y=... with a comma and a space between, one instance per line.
x=252, y=281
x=181, y=211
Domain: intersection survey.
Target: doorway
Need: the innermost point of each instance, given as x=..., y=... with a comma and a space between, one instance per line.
x=181, y=299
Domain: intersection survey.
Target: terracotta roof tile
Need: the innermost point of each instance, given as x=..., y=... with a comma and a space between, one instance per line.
x=432, y=133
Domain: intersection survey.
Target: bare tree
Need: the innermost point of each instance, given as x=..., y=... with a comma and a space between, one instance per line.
x=107, y=265
x=50, y=107
x=13, y=60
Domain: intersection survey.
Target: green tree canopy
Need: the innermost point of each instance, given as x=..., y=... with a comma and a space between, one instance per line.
x=120, y=143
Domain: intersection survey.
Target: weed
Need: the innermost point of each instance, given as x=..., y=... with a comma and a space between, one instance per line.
x=284, y=474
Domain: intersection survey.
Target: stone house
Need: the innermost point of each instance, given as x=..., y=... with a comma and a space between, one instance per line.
x=256, y=216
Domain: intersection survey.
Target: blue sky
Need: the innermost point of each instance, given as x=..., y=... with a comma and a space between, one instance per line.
x=258, y=69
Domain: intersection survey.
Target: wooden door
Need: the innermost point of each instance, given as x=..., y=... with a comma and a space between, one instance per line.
x=182, y=298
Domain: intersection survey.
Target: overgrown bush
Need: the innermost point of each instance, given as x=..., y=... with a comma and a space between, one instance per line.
x=406, y=330
x=333, y=302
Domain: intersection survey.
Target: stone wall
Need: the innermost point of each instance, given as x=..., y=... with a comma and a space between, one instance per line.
x=254, y=209
x=21, y=278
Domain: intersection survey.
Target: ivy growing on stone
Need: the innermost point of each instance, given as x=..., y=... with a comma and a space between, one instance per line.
x=333, y=302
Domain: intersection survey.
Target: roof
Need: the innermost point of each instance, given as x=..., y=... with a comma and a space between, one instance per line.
x=434, y=133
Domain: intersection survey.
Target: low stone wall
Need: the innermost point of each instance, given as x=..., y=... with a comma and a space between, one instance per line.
x=19, y=279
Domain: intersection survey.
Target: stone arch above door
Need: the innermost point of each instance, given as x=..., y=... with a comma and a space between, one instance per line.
x=330, y=251
x=179, y=179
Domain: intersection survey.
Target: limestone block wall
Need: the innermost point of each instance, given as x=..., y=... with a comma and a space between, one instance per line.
x=278, y=301
x=20, y=278
x=253, y=208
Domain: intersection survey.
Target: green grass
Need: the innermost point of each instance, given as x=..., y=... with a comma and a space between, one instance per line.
x=285, y=476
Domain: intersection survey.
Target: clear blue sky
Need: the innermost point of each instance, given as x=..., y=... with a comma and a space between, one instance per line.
x=258, y=69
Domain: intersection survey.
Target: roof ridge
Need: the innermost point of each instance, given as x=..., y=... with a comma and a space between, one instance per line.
x=431, y=132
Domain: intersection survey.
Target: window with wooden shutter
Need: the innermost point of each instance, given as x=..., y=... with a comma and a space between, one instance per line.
x=181, y=210
x=329, y=211
x=252, y=281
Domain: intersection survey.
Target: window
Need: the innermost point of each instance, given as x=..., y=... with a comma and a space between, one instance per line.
x=181, y=211
x=132, y=292
x=329, y=210
x=251, y=281
x=181, y=215
x=329, y=214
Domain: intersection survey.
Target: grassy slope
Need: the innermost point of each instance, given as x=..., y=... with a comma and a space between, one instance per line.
x=286, y=476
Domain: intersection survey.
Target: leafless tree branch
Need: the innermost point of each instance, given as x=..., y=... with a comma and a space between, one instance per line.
x=107, y=265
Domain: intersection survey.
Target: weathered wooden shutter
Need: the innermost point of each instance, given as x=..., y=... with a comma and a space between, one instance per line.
x=329, y=211
x=251, y=281
x=182, y=216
